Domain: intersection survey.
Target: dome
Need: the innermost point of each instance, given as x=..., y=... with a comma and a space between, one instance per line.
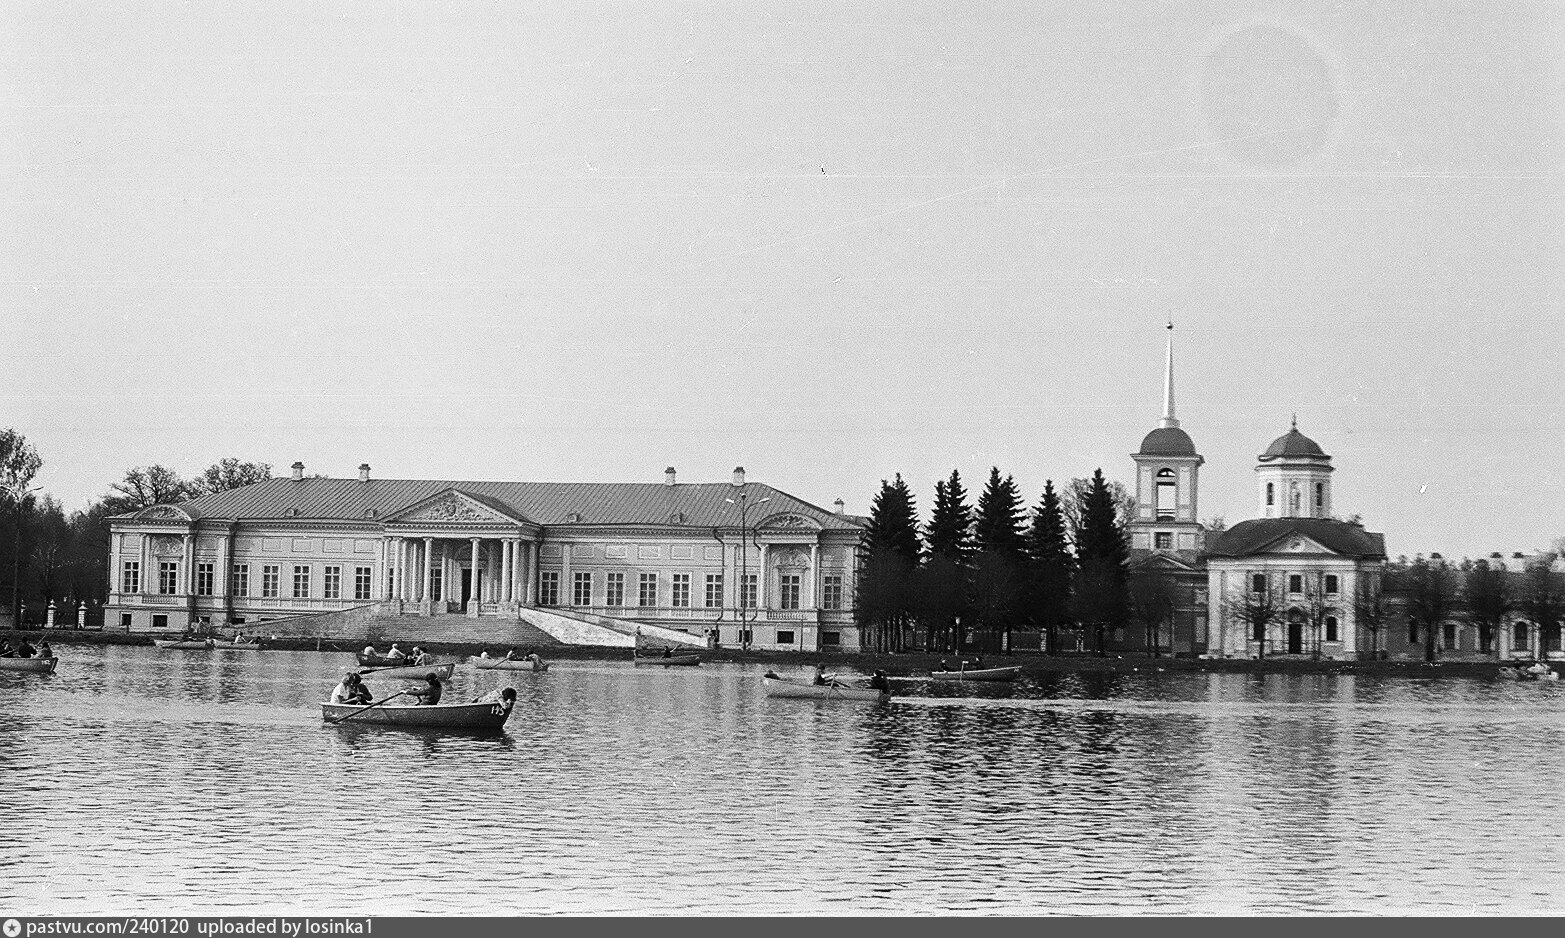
x=1167, y=441
x=1293, y=443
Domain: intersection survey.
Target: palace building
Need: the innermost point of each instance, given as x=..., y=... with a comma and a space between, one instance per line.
x=736, y=563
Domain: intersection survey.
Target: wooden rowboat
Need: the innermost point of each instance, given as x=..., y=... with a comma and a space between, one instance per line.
x=237, y=646
x=508, y=664
x=379, y=661
x=790, y=687
x=978, y=674
x=185, y=643
x=36, y=665
x=671, y=661
x=413, y=672
x=458, y=715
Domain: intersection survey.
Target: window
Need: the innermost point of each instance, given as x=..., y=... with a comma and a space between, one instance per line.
x=1331, y=628
x=789, y=594
x=1259, y=632
x=749, y=591
x=1412, y=632
x=331, y=583
x=1449, y=636
x=1519, y=637
x=831, y=638
x=1320, y=495
x=1331, y=584
x=301, y=582
x=270, y=574
x=614, y=590
x=237, y=620
x=785, y=636
x=648, y=594
x=581, y=589
x=168, y=577
x=714, y=591
x=1163, y=540
x=1295, y=583
x=745, y=636
x=1293, y=499
x=204, y=579
x=160, y=622
x=831, y=592
x=437, y=582
x=1165, y=493
x=130, y=577
x=362, y=577
x=681, y=590
x=1257, y=582
x=125, y=621
x=1271, y=494
x=239, y=580
x=549, y=588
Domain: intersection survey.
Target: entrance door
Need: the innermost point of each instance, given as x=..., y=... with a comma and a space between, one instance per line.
x=1295, y=637
x=467, y=586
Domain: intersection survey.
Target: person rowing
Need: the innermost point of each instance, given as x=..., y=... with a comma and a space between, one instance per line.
x=44, y=651
x=820, y=674
x=880, y=681
x=396, y=653
x=351, y=690
x=429, y=695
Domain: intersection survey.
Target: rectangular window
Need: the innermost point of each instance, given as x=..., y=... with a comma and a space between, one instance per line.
x=1271, y=494
x=270, y=574
x=831, y=593
x=1450, y=636
x=1295, y=583
x=614, y=590
x=437, y=582
x=831, y=639
x=301, y=582
x=331, y=583
x=1320, y=495
x=204, y=579
x=789, y=598
x=648, y=595
x=239, y=580
x=1257, y=582
x=681, y=597
x=168, y=577
x=1163, y=540
x=714, y=591
x=1331, y=628
x=125, y=621
x=745, y=636
x=549, y=588
x=362, y=578
x=1331, y=584
x=1165, y=500
x=581, y=589
x=159, y=622
x=130, y=577
x=785, y=636
x=749, y=590
x=1412, y=632
x=1259, y=632
x=1519, y=637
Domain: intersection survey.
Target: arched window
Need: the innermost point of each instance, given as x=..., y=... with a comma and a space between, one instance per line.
x=1519, y=636
x=1320, y=496
x=1293, y=499
x=1166, y=490
x=1331, y=628
x=1271, y=495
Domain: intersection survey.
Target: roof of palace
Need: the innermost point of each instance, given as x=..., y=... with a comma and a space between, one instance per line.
x=1248, y=538
x=550, y=503
x=1167, y=441
x=1293, y=443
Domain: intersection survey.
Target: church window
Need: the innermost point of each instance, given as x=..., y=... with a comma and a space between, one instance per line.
x=1331, y=584
x=301, y=582
x=714, y=591
x=239, y=582
x=331, y=583
x=1163, y=540
x=1259, y=632
x=362, y=578
x=1331, y=628
x=1295, y=583
x=1257, y=582
x=269, y=575
x=168, y=577
x=1166, y=492
x=831, y=595
x=130, y=577
x=204, y=578
x=1293, y=499
x=1271, y=495
x=1412, y=632
x=1320, y=496
x=790, y=591
x=1519, y=637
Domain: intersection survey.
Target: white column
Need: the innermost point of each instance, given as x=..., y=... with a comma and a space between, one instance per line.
x=764, y=599
x=532, y=573
x=145, y=576
x=505, y=571
x=429, y=569
x=220, y=571
x=404, y=555
x=116, y=563
x=477, y=553
x=383, y=569
x=186, y=584
x=813, y=578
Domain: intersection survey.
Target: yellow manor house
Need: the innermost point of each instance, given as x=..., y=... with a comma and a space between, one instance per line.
x=496, y=562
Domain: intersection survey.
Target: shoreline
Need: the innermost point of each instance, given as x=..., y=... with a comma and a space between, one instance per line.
x=898, y=664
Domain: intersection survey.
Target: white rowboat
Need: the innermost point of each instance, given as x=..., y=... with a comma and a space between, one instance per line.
x=35, y=665
x=183, y=643
x=979, y=674
x=508, y=664
x=671, y=661
x=788, y=687
x=458, y=715
x=237, y=646
x=412, y=672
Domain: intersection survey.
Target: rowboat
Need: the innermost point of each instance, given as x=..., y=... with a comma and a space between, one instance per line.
x=414, y=672
x=670, y=661
x=191, y=643
x=237, y=646
x=790, y=687
x=978, y=674
x=1522, y=674
x=36, y=665
x=464, y=715
x=508, y=664
x=378, y=661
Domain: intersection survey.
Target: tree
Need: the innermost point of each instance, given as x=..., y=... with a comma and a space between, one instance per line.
x=1256, y=608
x=1430, y=586
x=144, y=487
x=1050, y=567
x=1319, y=606
x=51, y=553
x=940, y=598
x=1541, y=598
x=884, y=593
x=1487, y=592
x=1370, y=610
x=229, y=473
x=1079, y=492
x=1098, y=593
x=950, y=538
x=1152, y=599
x=19, y=465
x=950, y=530
x=999, y=569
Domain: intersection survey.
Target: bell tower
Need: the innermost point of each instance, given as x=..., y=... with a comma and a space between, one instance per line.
x=1167, y=480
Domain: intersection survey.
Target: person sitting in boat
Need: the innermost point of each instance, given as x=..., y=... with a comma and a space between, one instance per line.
x=44, y=651
x=944, y=665
x=668, y=652
x=396, y=653
x=977, y=662
x=6, y=651
x=369, y=651
x=351, y=690
x=500, y=695
x=510, y=654
x=25, y=649
x=429, y=694
x=772, y=674
x=880, y=681
x=1536, y=669
x=420, y=656
x=820, y=674
x=484, y=654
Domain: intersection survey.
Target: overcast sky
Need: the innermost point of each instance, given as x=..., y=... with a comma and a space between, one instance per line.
x=828, y=241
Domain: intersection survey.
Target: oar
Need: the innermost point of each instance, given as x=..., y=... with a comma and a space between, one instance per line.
x=370, y=707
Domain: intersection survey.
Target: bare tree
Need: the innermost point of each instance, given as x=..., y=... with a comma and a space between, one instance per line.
x=1542, y=598
x=1152, y=601
x=1370, y=610
x=144, y=487
x=228, y=474
x=1431, y=598
x=1319, y=606
x=1256, y=608
x=1487, y=595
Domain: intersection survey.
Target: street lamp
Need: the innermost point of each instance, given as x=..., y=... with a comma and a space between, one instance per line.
x=18, y=494
x=744, y=565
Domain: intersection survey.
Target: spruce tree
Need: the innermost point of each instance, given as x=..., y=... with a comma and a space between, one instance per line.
x=945, y=579
x=999, y=572
x=1050, y=567
x=884, y=594
x=950, y=531
x=1099, y=591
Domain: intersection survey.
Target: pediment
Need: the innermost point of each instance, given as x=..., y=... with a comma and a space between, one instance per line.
x=164, y=513
x=1295, y=543
x=453, y=507
x=789, y=520
x=1158, y=563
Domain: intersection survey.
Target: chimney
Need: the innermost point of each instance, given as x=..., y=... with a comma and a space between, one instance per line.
x=364, y=472
x=298, y=471
x=668, y=476
x=839, y=506
x=739, y=475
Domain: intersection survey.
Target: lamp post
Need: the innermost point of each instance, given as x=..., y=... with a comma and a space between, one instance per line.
x=744, y=565
x=18, y=494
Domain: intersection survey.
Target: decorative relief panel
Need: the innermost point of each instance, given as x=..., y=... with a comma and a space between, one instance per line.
x=616, y=552
x=452, y=508
x=164, y=512
x=714, y=553
x=790, y=558
x=786, y=521
x=303, y=545
x=550, y=552
x=168, y=544
x=334, y=545
x=682, y=552
x=648, y=553
x=207, y=544
x=363, y=546
x=272, y=544
x=583, y=551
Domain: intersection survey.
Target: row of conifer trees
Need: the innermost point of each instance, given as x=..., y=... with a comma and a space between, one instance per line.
x=994, y=567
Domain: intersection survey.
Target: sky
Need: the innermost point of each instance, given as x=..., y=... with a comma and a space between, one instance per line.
x=827, y=241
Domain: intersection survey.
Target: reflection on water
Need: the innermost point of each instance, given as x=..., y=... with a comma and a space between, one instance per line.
x=206, y=782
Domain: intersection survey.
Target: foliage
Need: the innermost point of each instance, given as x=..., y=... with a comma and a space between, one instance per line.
x=1000, y=569
x=950, y=531
x=1050, y=567
x=1487, y=592
x=19, y=464
x=1370, y=610
x=884, y=599
x=1098, y=594
x=940, y=597
x=1430, y=586
x=1079, y=493
x=1257, y=609
x=1152, y=597
x=1541, y=596
x=1319, y=606
x=146, y=486
x=229, y=473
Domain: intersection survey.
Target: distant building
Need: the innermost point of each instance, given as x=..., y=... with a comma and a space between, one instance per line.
x=464, y=559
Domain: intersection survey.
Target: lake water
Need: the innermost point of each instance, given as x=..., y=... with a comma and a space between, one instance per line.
x=139, y=780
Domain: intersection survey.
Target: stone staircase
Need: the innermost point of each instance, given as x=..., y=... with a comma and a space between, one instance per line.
x=375, y=624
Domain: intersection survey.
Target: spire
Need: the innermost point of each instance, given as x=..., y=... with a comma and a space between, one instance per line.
x=1168, y=382
x=1295, y=424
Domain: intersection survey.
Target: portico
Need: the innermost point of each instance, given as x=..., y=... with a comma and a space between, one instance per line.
x=454, y=554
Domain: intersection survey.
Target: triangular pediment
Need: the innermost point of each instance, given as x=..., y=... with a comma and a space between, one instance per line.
x=789, y=520
x=164, y=513
x=1295, y=543
x=1164, y=563
x=454, y=507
